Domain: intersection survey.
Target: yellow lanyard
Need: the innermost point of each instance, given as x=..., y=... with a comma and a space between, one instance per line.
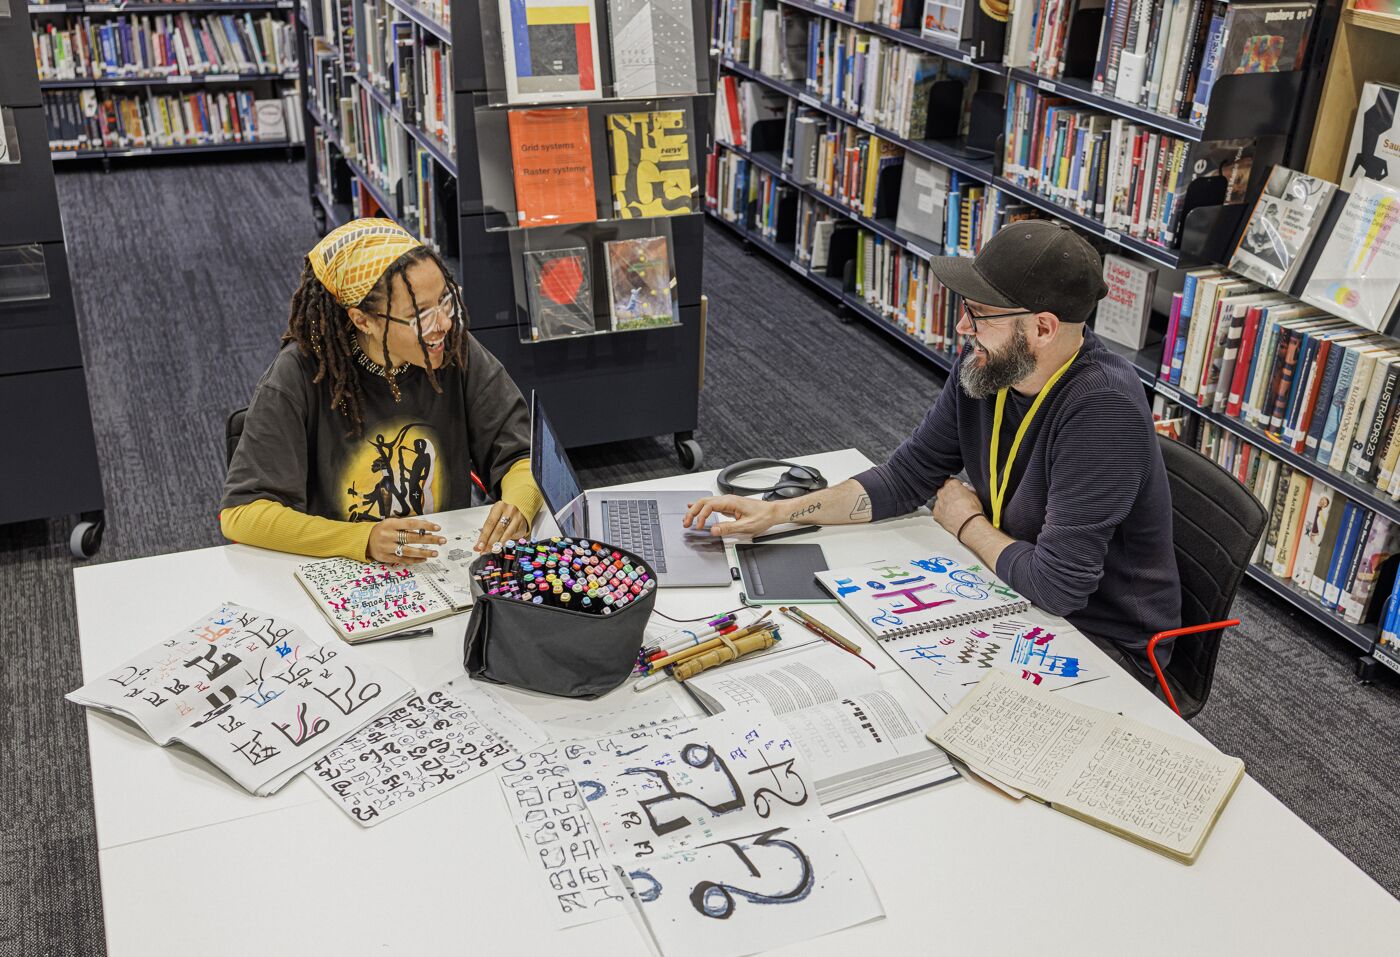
x=999, y=489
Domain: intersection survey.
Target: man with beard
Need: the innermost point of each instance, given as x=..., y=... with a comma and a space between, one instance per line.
x=1067, y=496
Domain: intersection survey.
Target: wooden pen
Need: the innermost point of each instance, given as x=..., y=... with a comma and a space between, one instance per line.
x=823, y=630
x=658, y=663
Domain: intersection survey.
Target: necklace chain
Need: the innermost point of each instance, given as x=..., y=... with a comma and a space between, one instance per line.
x=369, y=364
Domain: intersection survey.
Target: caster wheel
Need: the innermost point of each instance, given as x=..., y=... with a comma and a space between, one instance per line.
x=86, y=538
x=690, y=454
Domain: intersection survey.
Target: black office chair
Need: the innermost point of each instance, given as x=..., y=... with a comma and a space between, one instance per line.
x=233, y=431
x=1216, y=524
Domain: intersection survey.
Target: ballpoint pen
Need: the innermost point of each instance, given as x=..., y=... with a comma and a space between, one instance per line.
x=415, y=633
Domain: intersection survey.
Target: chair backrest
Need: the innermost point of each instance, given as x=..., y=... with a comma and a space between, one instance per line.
x=233, y=431
x=1216, y=524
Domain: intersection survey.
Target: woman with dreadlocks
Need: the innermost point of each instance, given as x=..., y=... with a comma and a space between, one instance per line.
x=376, y=411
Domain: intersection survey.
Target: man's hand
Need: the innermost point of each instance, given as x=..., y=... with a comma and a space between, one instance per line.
x=751, y=516
x=956, y=503
x=505, y=522
x=384, y=541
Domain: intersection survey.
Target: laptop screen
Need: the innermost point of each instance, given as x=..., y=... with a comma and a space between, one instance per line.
x=549, y=463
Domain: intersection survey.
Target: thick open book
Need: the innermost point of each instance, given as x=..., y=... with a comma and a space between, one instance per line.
x=1153, y=788
x=365, y=600
x=858, y=734
x=920, y=595
x=249, y=692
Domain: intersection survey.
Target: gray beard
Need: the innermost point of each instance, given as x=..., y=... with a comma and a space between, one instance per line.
x=1001, y=370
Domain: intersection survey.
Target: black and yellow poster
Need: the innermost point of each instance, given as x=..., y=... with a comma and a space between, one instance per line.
x=651, y=164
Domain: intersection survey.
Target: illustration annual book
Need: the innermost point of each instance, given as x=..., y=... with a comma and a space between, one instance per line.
x=364, y=600
x=641, y=283
x=1128, y=778
x=550, y=49
x=920, y=595
x=552, y=159
x=1281, y=228
x=1357, y=276
x=249, y=692
x=651, y=164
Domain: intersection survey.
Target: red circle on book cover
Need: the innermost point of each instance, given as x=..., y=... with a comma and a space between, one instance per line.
x=561, y=278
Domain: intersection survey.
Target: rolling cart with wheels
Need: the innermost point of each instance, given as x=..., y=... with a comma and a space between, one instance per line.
x=53, y=469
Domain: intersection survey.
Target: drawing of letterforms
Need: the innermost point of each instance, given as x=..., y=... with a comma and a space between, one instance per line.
x=230, y=724
x=347, y=700
x=791, y=789
x=217, y=705
x=965, y=584
x=585, y=850
x=936, y=565
x=886, y=617
x=268, y=632
x=295, y=672
x=915, y=603
x=700, y=757
x=209, y=667
x=130, y=675
x=925, y=653
x=845, y=587
x=177, y=687
x=303, y=731
x=321, y=655
x=255, y=751
x=552, y=857
x=563, y=879
x=784, y=865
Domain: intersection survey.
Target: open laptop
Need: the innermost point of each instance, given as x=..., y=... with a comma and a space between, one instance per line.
x=646, y=523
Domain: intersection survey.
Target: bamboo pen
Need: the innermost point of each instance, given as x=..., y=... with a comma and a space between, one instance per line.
x=658, y=663
x=824, y=633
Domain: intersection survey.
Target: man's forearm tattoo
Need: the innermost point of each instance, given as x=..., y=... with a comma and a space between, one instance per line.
x=862, y=509
x=801, y=512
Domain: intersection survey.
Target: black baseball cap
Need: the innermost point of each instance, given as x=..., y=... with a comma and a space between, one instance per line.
x=1035, y=264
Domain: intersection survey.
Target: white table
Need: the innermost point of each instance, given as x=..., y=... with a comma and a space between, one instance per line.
x=192, y=864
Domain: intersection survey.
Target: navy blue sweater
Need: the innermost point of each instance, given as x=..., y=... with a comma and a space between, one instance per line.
x=1088, y=504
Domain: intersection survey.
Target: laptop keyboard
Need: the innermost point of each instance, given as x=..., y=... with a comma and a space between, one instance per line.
x=635, y=524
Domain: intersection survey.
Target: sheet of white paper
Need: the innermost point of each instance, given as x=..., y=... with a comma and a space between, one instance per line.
x=787, y=681
x=713, y=821
x=557, y=831
x=430, y=744
x=947, y=665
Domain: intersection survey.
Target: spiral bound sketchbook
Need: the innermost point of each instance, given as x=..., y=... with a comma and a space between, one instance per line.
x=896, y=599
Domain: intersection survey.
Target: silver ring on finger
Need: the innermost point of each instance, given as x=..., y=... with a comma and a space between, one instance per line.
x=401, y=538
x=503, y=521
x=398, y=550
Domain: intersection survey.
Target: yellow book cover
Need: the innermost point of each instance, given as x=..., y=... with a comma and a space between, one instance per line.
x=651, y=164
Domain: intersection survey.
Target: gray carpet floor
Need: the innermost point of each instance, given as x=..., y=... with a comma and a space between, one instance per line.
x=182, y=277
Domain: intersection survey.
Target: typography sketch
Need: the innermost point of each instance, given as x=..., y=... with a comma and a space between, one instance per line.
x=429, y=744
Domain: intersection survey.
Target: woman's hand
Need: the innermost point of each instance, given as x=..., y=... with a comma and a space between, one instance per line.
x=504, y=522
x=386, y=545
x=751, y=516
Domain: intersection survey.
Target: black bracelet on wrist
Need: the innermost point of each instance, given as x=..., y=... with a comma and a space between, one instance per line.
x=963, y=526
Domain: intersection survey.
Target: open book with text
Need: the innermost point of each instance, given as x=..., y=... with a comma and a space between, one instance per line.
x=1121, y=775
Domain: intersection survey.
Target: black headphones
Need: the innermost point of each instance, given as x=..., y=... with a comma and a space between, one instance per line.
x=797, y=480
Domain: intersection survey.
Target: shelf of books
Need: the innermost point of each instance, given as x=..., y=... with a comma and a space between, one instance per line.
x=554, y=148
x=111, y=76
x=852, y=160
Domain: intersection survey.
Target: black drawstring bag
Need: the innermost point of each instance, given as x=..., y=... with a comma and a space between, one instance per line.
x=558, y=651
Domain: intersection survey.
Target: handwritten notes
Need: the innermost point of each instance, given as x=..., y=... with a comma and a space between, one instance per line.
x=365, y=599
x=248, y=691
x=919, y=595
x=1141, y=783
x=948, y=665
x=417, y=751
x=451, y=570
x=557, y=830
x=722, y=839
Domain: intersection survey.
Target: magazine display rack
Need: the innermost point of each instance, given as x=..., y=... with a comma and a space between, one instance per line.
x=552, y=155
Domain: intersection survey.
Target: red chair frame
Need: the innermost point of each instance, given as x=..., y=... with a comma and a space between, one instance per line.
x=1177, y=633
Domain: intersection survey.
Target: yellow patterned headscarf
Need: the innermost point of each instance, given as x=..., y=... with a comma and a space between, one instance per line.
x=352, y=258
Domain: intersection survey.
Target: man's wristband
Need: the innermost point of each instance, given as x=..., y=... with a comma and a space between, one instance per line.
x=966, y=522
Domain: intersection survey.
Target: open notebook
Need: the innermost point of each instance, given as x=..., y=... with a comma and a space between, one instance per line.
x=920, y=595
x=249, y=692
x=858, y=734
x=365, y=600
x=1150, y=787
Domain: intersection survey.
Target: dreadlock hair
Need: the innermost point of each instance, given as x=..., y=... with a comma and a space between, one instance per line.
x=321, y=328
